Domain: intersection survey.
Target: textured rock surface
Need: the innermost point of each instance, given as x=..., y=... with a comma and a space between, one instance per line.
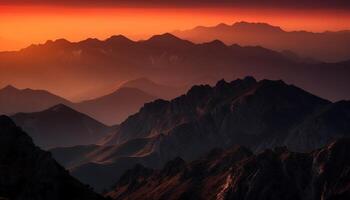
x=256, y=114
x=238, y=174
x=28, y=173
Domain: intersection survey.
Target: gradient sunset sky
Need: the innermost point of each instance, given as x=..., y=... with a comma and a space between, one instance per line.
x=24, y=22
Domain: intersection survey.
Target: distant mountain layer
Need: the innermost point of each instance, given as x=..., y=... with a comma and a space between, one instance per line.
x=256, y=114
x=71, y=69
x=325, y=46
x=61, y=126
x=28, y=173
x=239, y=174
x=116, y=106
x=110, y=109
x=155, y=89
x=13, y=100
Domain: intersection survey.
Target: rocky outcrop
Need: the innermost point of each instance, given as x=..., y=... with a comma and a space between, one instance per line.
x=28, y=173
x=237, y=173
x=256, y=114
x=245, y=112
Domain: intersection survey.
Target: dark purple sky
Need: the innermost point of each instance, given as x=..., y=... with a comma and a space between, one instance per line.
x=283, y=4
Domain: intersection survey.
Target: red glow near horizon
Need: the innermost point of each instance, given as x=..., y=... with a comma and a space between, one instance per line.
x=24, y=25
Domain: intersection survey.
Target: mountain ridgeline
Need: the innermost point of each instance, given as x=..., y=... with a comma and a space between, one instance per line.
x=326, y=46
x=165, y=59
x=237, y=173
x=255, y=114
x=61, y=126
x=110, y=109
x=14, y=100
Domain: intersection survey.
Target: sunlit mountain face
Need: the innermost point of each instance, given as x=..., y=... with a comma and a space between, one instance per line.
x=174, y=99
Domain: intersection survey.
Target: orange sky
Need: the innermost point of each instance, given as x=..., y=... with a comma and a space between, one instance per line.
x=24, y=25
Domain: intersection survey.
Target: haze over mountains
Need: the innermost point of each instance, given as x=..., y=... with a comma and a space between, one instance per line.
x=13, y=100
x=29, y=173
x=76, y=68
x=61, y=126
x=162, y=91
x=256, y=114
x=110, y=109
x=237, y=173
x=117, y=106
x=325, y=46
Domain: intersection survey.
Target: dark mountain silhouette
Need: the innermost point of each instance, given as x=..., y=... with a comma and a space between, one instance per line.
x=256, y=114
x=155, y=89
x=29, y=173
x=61, y=126
x=239, y=174
x=13, y=100
x=115, y=107
x=167, y=60
x=325, y=46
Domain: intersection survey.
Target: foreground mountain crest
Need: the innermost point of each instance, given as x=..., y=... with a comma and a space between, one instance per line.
x=28, y=173
x=237, y=173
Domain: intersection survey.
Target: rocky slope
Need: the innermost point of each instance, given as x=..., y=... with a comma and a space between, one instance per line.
x=61, y=126
x=28, y=173
x=256, y=114
x=237, y=173
x=253, y=113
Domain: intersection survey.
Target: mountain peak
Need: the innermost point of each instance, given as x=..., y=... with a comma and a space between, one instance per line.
x=223, y=27
x=139, y=80
x=9, y=88
x=251, y=26
x=5, y=121
x=215, y=44
x=118, y=39
x=59, y=43
x=60, y=108
x=90, y=42
x=62, y=41
x=166, y=39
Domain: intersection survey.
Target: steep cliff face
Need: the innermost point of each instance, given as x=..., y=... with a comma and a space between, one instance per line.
x=28, y=173
x=328, y=123
x=247, y=112
x=256, y=114
x=239, y=174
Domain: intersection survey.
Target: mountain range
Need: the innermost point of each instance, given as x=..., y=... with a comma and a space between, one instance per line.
x=29, y=173
x=79, y=67
x=256, y=114
x=61, y=126
x=237, y=173
x=110, y=109
x=13, y=100
x=325, y=46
